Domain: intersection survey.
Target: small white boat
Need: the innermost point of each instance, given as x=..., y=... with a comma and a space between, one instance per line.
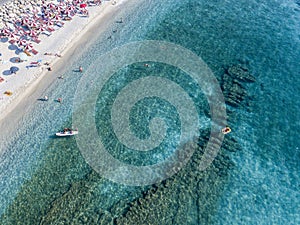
x=67, y=133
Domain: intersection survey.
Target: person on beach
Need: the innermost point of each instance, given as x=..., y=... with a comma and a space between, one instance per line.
x=49, y=68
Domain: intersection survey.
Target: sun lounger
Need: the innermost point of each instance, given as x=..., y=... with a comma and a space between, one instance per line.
x=47, y=33
x=50, y=29
x=12, y=41
x=27, y=53
x=67, y=18
x=59, y=24
x=34, y=51
x=36, y=40
x=33, y=65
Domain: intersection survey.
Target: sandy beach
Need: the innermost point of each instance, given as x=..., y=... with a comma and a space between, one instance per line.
x=28, y=84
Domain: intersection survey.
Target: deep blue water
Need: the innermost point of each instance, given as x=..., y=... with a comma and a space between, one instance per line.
x=263, y=185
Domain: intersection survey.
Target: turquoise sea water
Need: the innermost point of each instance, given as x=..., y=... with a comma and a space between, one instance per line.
x=46, y=180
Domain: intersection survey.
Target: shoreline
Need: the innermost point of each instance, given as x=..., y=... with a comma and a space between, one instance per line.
x=12, y=110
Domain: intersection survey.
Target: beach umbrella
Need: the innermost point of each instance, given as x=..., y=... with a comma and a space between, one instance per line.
x=33, y=24
x=23, y=56
x=28, y=46
x=51, y=6
x=41, y=29
x=21, y=42
x=71, y=8
x=6, y=31
x=61, y=4
x=49, y=23
x=60, y=8
x=47, y=13
x=83, y=5
x=57, y=17
x=66, y=11
x=32, y=33
x=76, y=2
x=11, y=35
x=25, y=20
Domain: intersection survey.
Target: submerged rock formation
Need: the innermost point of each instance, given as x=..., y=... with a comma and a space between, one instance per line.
x=189, y=197
x=234, y=90
x=241, y=73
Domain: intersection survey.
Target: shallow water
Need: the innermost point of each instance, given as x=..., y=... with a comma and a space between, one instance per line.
x=42, y=176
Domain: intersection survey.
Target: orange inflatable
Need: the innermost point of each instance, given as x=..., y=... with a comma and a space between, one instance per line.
x=226, y=130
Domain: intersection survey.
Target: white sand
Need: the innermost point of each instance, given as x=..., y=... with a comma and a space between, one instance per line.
x=26, y=81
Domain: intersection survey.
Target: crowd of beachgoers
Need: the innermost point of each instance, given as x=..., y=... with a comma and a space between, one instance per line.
x=23, y=21
x=25, y=24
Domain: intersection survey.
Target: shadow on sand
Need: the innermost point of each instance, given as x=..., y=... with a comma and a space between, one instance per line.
x=76, y=71
x=7, y=72
x=3, y=40
x=15, y=60
x=13, y=47
x=42, y=100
